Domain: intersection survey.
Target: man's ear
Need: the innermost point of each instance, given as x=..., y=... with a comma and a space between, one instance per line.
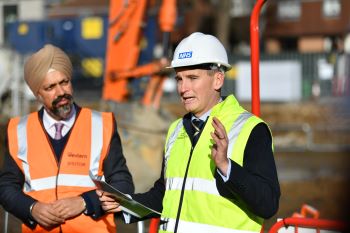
x=39, y=98
x=219, y=78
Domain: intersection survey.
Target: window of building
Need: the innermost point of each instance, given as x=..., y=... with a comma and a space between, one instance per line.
x=10, y=14
x=331, y=8
x=289, y=10
x=241, y=8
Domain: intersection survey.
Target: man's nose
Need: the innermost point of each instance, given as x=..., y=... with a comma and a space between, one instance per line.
x=183, y=86
x=59, y=90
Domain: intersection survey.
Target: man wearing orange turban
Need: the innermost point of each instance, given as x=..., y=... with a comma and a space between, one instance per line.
x=53, y=153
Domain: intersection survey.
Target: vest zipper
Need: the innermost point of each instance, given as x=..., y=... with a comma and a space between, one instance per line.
x=58, y=163
x=58, y=172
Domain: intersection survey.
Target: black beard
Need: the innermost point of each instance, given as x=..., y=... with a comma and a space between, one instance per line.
x=62, y=112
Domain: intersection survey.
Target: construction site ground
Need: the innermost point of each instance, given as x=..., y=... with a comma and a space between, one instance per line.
x=311, y=171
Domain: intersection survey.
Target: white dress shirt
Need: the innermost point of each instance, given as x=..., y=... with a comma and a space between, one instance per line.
x=49, y=123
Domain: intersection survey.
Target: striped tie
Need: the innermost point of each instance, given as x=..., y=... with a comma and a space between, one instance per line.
x=58, y=127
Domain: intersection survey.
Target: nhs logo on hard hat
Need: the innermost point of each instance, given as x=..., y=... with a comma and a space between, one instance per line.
x=185, y=55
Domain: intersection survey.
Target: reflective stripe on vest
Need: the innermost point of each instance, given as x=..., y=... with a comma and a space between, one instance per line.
x=170, y=143
x=190, y=227
x=235, y=130
x=22, y=150
x=195, y=184
x=96, y=143
x=64, y=179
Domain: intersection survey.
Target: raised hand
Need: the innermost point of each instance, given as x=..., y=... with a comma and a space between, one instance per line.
x=219, y=149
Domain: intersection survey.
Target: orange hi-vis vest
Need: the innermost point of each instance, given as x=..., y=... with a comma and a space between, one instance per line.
x=47, y=179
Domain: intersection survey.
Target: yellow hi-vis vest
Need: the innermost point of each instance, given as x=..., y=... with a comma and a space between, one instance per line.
x=47, y=179
x=204, y=210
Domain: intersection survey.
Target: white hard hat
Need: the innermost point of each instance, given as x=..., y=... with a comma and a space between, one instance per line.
x=199, y=48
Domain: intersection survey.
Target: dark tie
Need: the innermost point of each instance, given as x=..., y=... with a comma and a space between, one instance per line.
x=58, y=127
x=197, y=127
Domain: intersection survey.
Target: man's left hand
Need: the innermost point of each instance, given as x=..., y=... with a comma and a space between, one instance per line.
x=219, y=149
x=70, y=207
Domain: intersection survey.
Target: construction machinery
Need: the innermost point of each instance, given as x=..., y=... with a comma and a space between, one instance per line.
x=123, y=50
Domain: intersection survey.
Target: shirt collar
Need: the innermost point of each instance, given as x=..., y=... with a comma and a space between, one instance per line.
x=49, y=121
x=205, y=115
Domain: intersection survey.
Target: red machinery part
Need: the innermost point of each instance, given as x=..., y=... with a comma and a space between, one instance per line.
x=154, y=224
x=307, y=210
x=312, y=223
x=255, y=56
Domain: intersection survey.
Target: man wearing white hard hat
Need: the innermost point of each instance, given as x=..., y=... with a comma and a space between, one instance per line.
x=219, y=174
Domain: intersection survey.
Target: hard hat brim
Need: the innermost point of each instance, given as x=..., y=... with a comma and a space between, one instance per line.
x=227, y=66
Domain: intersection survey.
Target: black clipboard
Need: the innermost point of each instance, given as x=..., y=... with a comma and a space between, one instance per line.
x=127, y=204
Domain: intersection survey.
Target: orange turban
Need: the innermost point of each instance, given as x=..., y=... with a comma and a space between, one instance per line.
x=38, y=65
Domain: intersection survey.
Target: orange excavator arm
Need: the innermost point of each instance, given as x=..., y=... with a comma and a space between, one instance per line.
x=125, y=18
x=125, y=21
